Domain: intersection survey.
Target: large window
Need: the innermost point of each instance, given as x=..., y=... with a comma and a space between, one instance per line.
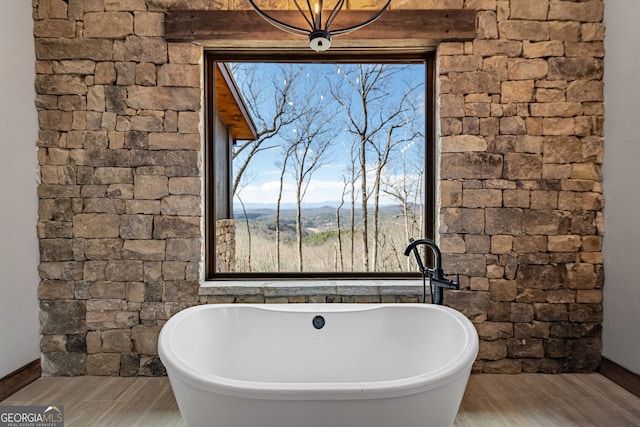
x=337, y=175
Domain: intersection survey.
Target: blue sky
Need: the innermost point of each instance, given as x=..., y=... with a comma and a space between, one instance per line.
x=261, y=180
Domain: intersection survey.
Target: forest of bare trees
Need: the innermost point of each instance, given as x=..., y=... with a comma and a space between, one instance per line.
x=354, y=129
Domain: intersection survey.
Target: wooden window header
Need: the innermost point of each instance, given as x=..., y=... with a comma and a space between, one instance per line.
x=413, y=27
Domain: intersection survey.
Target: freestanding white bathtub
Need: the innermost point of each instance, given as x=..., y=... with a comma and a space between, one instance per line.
x=318, y=365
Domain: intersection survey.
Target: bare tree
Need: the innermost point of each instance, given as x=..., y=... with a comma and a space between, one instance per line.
x=309, y=147
x=364, y=93
x=270, y=108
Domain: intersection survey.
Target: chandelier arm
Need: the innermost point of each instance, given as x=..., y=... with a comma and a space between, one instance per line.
x=364, y=24
x=306, y=18
x=276, y=23
x=334, y=13
x=314, y=24
x=320, y=7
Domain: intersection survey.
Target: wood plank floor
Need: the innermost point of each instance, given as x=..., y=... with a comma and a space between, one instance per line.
x=525, y=400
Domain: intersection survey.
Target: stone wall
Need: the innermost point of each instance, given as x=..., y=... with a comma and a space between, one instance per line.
x=120, y=200
x=225, y=245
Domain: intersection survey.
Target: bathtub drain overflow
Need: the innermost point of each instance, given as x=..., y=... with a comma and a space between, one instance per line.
x=318, y=322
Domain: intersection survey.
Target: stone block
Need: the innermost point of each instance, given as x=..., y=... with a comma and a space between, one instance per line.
x=179, y=249
x=527, y=69
x=477, y=244
x=460, y=63
x=56, y=250
x=145, y=49
x=94, y=342
x=487, y=25
x=64, y=364
x=491, y=331
x=497, y=48
x=517, y=91
x=473, y=165
x=149, y=24
x=582, y=276
x=145, y=339
x=62, y=317
x=524, y=30
x=558, y=126
x=544, y=199
x=530, y=10
x=590, y=313
x=174, y=270
x=102, y=249
x=111, y=319
x=184, y=53
x=52, y=9
x=540, y=277
x=450, y=194
x=455, y=220
x=520, y=312
x=501, y=244
x=150, y=187
x=472, y=82
x=481, y=198
x=503, y=221
x=492, y=350
x=583, y=68
x=473, y=304
x=564, y=243
x=182, y=185
x=51, y=343
x=151, y=366
x=148, y=250
x=145, y=74
x=502, y=290
x=103, y=364
x=523, y=166
x=176, y=226
x=129, y=364
x=463, y=143
x=465, y=264
x=181, y=291
x=585, y=91
x=74, y=49
x=550, y=312
x=136, y=226
x=116, y=100
x=125, y=271
x=546, y=222
x=525, y=348
x=108, y=25
x=95, y=225
x=502, y=366
x=181, y=205
x=185, y=75
x=174, y=141
x=585, y=11
x=116, y=341
x=516, y=198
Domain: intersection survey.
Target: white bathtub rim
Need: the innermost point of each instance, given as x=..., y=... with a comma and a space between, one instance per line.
x=456, y=367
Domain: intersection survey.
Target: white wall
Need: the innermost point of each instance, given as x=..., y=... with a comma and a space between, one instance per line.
x=621, y=181
x=19, y=257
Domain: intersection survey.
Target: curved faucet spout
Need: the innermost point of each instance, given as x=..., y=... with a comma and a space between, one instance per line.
x=437, y=280
x=436, y=271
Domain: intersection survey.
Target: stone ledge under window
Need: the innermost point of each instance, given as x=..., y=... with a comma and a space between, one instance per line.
x=290, y=288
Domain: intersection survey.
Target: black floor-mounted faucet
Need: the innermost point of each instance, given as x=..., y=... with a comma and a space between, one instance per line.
x=437, y=278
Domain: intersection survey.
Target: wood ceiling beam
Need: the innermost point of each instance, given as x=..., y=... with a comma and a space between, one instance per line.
x=245, y=25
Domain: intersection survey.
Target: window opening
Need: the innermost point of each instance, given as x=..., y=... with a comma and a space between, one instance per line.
x=337, y=175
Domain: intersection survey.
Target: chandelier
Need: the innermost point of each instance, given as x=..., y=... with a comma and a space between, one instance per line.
x=319, y=21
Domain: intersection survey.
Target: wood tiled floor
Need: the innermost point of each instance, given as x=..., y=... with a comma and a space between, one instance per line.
x=490, y=400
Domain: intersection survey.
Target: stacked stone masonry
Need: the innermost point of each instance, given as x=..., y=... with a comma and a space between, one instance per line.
x=119, y=148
